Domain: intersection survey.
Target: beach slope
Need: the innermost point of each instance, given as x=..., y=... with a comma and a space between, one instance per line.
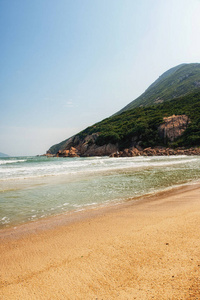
x=149, y=249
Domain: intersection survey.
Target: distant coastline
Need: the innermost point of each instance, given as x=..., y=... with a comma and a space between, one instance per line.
x=3, y=155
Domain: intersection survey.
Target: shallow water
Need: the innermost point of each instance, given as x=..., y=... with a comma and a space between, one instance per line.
x=32, y=188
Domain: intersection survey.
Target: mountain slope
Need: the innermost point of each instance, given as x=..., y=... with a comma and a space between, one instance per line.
x=138, y=127
x=175, y=92
x=174, y=83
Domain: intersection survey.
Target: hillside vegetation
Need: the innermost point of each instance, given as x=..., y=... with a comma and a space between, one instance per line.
x=139, y=125
x=174, y=83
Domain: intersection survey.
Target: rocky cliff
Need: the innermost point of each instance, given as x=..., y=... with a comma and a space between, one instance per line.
x=171, y=128
x=76, y=146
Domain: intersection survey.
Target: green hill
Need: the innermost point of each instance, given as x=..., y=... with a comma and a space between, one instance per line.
x=172, y=84
x=141, y=124
x=176, y=92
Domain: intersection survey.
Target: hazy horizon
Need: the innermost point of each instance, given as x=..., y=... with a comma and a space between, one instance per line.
x=68, y=65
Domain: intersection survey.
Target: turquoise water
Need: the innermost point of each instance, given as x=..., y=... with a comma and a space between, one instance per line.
x=33, y=188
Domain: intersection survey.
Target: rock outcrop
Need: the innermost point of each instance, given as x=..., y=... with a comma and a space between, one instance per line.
x=158, y=151
x=77, y=146
x=173, y=127
x=111, y=150
x=72, y=152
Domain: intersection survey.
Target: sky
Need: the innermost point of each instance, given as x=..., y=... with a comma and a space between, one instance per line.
x=67, y=64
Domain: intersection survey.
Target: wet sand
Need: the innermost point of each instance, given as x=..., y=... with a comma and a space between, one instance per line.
x=145, y=249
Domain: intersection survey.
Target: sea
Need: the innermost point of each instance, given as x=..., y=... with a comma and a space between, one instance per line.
x=34, y=188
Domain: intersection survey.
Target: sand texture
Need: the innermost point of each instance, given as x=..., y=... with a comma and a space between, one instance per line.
x=149, y=249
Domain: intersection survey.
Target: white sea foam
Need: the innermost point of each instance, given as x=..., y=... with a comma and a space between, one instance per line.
x=4, y=220
x=86, y=166
x=11, y=161
x=39, y=187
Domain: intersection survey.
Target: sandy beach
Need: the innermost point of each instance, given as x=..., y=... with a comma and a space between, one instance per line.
x=145, y=249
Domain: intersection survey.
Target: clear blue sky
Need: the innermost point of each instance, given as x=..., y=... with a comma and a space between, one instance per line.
x=67, y=64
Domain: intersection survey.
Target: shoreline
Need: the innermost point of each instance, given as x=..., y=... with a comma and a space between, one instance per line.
x=47, y=195
x=135, y=250
x=70, y=217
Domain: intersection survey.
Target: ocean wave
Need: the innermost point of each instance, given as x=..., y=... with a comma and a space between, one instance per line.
x=12, y=161
x=86, y=167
